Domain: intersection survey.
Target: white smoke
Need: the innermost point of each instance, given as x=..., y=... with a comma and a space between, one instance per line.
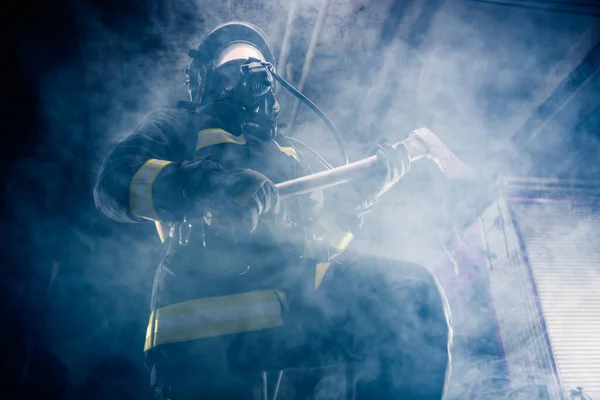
x=470, y=72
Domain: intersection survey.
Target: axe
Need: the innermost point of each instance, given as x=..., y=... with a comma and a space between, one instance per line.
x=451, y=166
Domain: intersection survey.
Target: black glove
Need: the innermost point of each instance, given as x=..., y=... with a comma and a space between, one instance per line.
x=350, y=202
x=242, y=196
x=231, y=200
x=393, y=165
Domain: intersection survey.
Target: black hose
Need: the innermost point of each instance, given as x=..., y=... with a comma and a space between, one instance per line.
x=319, y=157
x=317, y=110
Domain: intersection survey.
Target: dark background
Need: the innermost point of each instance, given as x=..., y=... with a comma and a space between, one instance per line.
x=78, y=75
x=48, y=160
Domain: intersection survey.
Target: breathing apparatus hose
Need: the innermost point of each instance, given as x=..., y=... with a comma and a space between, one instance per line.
x=317, y=110
x=304, y=146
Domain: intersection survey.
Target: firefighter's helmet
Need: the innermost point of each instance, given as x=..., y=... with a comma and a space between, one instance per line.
x=228, y=44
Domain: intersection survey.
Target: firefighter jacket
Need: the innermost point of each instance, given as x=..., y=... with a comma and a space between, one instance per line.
x=211, y=284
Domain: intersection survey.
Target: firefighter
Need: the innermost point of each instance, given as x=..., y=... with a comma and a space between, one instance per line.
x=253, y=283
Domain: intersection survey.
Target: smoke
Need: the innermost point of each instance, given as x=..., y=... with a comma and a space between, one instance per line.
x=471, y=73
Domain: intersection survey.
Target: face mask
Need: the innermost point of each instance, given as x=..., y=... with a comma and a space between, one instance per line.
x=249, y=85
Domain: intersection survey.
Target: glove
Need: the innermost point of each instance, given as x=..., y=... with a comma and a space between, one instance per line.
x=232, y=200
x=242, y=197
x=394, y=165
x=351, y=202
x=422, y=143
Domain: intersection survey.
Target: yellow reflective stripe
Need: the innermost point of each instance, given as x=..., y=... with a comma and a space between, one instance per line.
x=341, y=240
x=149, y=342
x=283, y=298
x=331, y=232
x=162, y=229
x=290, y=151
x=140, y=189
x=214, y=316
x=320, y=273
x=210, y=137
x=209, y=303
x=333, y=239
x=220, y=328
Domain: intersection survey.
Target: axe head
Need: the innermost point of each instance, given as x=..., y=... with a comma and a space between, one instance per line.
x=452, y=167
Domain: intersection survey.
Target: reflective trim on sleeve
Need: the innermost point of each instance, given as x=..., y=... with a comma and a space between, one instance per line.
x=162, y=229
x=209, y=137
x=140, y=189
x=214, y=316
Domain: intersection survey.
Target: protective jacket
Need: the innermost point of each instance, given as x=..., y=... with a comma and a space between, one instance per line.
x=212, y=284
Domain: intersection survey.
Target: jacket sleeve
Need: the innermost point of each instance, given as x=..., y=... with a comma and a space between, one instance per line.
x=140, y=166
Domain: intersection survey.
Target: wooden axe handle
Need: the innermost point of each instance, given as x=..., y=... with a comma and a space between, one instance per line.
x=336, y=176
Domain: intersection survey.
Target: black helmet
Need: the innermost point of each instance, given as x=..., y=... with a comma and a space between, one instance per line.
x=227, y=43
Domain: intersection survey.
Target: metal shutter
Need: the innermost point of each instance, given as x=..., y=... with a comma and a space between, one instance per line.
x=562, y=242
x=520, y=326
